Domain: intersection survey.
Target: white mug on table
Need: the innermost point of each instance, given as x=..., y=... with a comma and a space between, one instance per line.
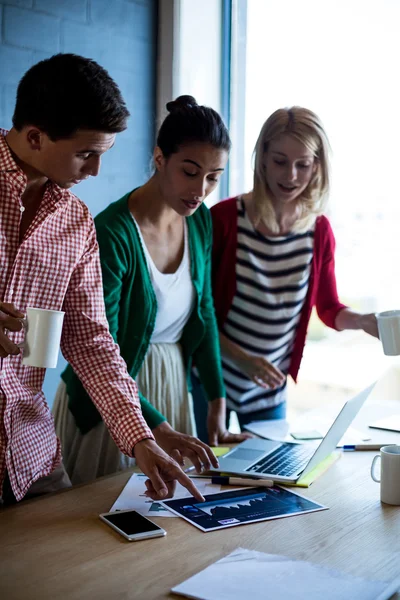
x=390, y=474
x=42, y=337
x=389, y=331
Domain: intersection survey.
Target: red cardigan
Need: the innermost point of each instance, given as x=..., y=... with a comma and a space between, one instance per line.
x=322, y=291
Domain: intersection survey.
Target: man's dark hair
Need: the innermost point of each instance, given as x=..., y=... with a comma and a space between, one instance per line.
x=188, y=123
x=68, y=92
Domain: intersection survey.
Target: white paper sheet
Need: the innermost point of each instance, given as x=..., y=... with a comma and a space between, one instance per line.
x=132, y=496
x=256, y=575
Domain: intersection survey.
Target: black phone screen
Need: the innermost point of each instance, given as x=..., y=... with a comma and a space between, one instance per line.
x=131, y=522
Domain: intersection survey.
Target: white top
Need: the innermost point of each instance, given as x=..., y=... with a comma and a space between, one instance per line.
x=174, y=292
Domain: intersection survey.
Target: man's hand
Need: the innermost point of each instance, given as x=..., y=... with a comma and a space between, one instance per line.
x=9, y=319
x=217, y=431
x=179, y=445
x=162, y=470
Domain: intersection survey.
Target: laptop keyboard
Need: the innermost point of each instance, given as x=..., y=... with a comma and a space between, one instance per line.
x=284, y=461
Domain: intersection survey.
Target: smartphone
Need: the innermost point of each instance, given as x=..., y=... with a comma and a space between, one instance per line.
x=132, y=525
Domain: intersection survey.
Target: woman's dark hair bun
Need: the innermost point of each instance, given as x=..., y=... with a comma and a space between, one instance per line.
x=181, y=102
x=189, y=123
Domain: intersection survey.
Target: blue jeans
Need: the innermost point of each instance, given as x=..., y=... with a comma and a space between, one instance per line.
x=200, y=405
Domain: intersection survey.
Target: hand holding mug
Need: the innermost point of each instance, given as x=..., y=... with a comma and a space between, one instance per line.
x=10, y=319
x=43, y=330
x=369, y=324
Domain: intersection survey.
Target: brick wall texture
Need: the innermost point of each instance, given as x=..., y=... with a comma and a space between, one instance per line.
x=121, y=36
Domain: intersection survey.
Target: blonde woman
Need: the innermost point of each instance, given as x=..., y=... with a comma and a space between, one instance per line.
x=273, y=260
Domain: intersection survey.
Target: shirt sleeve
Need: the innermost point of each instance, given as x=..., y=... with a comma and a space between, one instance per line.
x=327, y=301
x=223, y=274
x=207, y=356
x=218, y=238
x=90, y=349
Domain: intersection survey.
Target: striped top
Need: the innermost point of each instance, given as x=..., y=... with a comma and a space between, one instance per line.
x=272, y=276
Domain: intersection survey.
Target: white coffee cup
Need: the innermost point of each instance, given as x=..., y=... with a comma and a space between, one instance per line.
x=389, y=331
x=42, y=337
x=390, y=474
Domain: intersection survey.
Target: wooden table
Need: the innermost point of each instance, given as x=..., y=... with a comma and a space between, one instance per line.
x=56, y=547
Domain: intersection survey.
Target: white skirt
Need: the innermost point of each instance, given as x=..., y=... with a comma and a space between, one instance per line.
x=162, y=380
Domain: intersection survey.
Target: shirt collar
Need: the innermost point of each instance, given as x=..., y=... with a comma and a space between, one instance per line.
x=7, y=163
x=14, y=173
x=54, y=194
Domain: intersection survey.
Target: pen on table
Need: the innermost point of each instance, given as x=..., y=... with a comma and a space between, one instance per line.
x=203, y=472
x=352, y=447
x=242, y=481
x=226, y=480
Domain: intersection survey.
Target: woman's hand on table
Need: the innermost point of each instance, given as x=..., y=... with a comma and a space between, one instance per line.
x=217, y=431
x=180, y=446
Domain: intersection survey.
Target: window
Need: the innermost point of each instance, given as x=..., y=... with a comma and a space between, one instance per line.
x=340, y=59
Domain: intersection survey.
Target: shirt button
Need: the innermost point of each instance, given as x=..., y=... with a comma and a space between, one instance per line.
x=8, y=453
x=22, y=208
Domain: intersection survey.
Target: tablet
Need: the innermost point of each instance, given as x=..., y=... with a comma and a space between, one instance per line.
x=241, y=506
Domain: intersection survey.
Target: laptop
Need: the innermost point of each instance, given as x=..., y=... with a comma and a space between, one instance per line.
x=285, y=461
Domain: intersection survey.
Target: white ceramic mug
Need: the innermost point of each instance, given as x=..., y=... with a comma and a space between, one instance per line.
x=389, y=331
x=390, y=474
x=42, y=337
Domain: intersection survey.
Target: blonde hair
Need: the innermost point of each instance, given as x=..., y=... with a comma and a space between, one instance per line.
x=304, y=126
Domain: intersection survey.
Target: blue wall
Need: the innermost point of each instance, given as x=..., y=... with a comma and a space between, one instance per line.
x=121, y=36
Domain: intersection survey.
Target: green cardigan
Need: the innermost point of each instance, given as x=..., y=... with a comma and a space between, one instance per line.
x=131, y=308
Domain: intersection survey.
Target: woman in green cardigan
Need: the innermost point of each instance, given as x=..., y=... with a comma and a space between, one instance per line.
x=155, y=248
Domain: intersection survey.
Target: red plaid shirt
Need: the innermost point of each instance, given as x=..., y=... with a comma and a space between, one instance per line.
x=57, y=267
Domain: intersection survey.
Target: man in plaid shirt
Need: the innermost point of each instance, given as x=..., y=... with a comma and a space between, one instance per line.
x=68, y=112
